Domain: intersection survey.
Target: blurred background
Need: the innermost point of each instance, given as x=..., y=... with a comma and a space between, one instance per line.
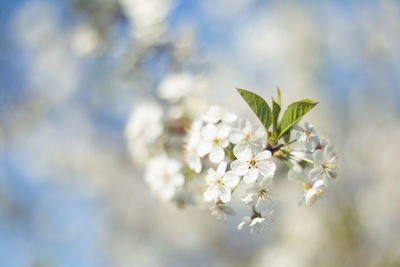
x=71, y=72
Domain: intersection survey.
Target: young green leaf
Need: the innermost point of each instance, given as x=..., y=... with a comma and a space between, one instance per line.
x=294, y=113
x=259, y=106
x=279, y=96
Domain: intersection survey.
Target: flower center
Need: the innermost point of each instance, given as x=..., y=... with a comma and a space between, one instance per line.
x=308, y=134
x=328, y=168
x=218, y=181
x=216, y=142
x=264, y=194
x=327, y=165
x=308, y=187
x=165, y=177
x=253, y=163
x=247, y=137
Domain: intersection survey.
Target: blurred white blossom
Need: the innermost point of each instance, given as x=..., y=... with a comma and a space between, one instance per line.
x=175, y=86
x=143, y=128
x=217, y=114
x=147, y=19
x=164, y=176
x=192, y=157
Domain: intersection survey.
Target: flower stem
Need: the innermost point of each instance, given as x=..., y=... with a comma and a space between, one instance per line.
x=303, y=159
x=300, y=150
x=233, y=190
x=255, y=214
x=291, y=142
x=298, y=176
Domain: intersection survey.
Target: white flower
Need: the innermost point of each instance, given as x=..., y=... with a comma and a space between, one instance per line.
x=147, y=19
x=175, y=86
x=325, y=164
x=143, y=128
x=307, y=135
x=191, y=156
x=220, y=184
x=217, y=114
x=246, y=135
x=213, y=141
x=164, y=176
x=322, y=143
x=313, y=192
x=145, y=122
x=251, y=166
x=258, y=192
x=221, y=211
x=257, y=222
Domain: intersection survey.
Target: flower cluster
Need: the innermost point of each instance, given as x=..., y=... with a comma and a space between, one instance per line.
x=315, y=163
x=205, y=159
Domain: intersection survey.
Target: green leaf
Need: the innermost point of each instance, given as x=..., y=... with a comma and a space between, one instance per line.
x=294, y=113
x=259, y=106
x=276, y=110
x=286, y=137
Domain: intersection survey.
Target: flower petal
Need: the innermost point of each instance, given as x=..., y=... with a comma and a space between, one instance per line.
x=318, y=156
x=167, y=192
x=217, y=154
x=221, y=169
x=211, y=194
x=242, y=146
x=178, y=180
x=257, y=220
x=241, y=225
x=211, y=176
x=318, y=184
x=315, y=173
x=224, y=194
x=228, y=116
x=243, y=154
x=266, y=182
x=213, y=114
x=173, y=166
x=245, y=221
x=203, y=147
x=223, y=131
x=309, y=196
x=240, y=167
x=209, y=131
x=266, y=167
x=230, y=179
x=194, y=162
x=308, y=126
x=223, y=143
x=236, y=136
x=247, y=126
x=251, y=176
x=266, y=154
x=249, y=199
